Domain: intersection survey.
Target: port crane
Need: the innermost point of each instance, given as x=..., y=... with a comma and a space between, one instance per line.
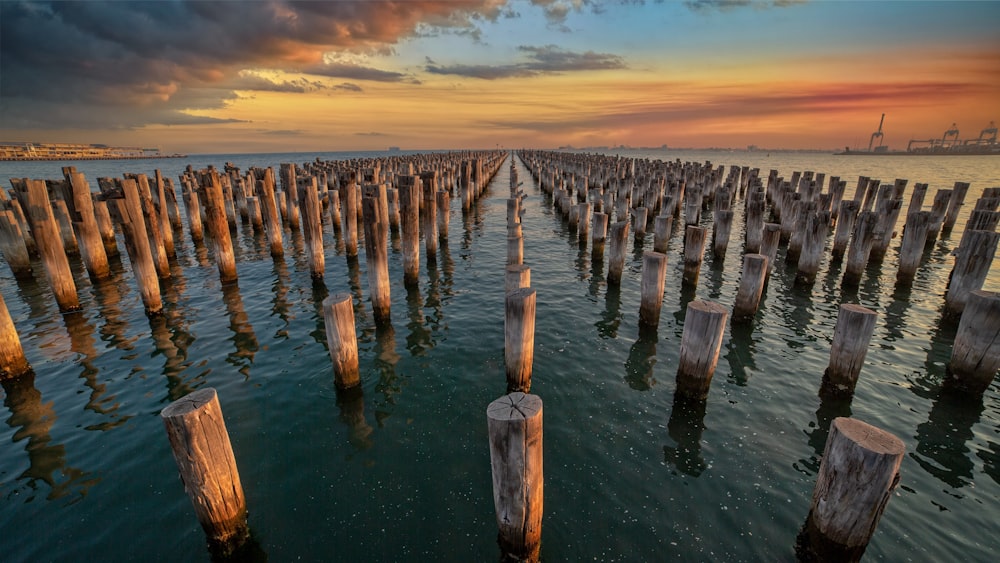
x=877, y=134
x=991, y=131
x=952, y=132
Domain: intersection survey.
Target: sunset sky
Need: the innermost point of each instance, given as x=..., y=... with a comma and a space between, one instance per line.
x=277, y=76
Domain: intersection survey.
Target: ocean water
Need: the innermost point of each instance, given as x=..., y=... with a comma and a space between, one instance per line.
x=402, y=473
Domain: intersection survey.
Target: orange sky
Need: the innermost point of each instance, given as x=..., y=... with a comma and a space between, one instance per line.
x=429, y=75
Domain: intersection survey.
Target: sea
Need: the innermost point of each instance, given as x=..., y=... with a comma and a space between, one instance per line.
x=401, y=472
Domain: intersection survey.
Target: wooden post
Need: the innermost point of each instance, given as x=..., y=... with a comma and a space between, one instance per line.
x=409, y=207
x=61, y=212
x=349, y=216
x=955, y=204
x=769, y=244
x=393, y=195
x=516, y=276
x=720, y=235
x=860, y=248
x=704, y=325
x=428, y=214
x=515, y=250
x=12, y=246
x=106, y=227
x=639, y=215
x=312, y=225
x=12, y=360
x=975, y=256
x=85, y=222
x=912, y=248
x=377, y=254
x=519, y=338
x=694, y=251
x=600, y=230
x=515, y=429
x=845, y=226
x=272, y=220
x=137, y=246
x=46, y=233
x=583, y=227
x=813, y=239
x=857, y=477
x=444, y=215
x=289, y=184
x=619, y=238
x=159, y=212
x=334, y=200
x=855, y=325
x=754, y=221
x=661, y=233
x=975, y=356
x=256, y=214
x=218, y=226
x=152, y=221
x=194, y=216
x=654, y=275
x=341, y=339
x=751, y=287
x=204, y=455
x=942, y=199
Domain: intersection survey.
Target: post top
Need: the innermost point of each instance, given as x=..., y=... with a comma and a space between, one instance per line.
x=869, y=437
x=515, y=406
x=189, y=403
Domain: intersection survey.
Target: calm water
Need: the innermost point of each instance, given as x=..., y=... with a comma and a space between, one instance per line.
x=402, y=473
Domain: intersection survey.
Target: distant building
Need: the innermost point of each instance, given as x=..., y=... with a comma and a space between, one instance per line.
x=72, y=151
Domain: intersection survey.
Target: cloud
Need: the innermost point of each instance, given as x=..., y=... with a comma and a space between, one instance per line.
x=542, y=60
x=705, y=6
x=355, y=72
x=347, y=86
x=371, y=134
x=123, y=64
x=256, y=82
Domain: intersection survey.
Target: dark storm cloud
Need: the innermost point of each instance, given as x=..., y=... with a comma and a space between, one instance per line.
x=127, y=64
x=542, y=60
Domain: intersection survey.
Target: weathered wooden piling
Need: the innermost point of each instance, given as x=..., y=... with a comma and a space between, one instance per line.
x=13, y=363
x=516, y=276
x=661, y=232
x=694, y=253
x=444, y=215
x=69, y=242
x=376, y=223
x=704, y=325
x=12, y=246
x=857, y=477
x=720, y=234
x=334, y=202
x=95, y=258
x=290, y=187
x=106, y=227
x=312, y=225
x=349, y=215
x=955, y=204
x=137, y=246
x=153, y=230
x=195, y=225
x=845, y=226
x=754, y=221
x=162, y=215
x=204, y=456
x=218, y=225
x=341, y=339
x=409, y=207
x=813, y=240
x=639, y=218
x=751, y=287
x=939, y=209
x=654, y=275
x=428, y=214
x=272, y=221
x=600, y=233
x=616, y=262
x=769, y=242
x=583, y=228
x=515, y=250
x=975, y=356
x=860, y=248
x=519, y=338
x=854, y=329
x=515, y=430
x=38, y=212
x=972, y=265
x=912, y=248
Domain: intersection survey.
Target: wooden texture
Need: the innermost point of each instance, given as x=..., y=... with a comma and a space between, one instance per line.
x=311, y=218
x=341, y=339
x=654, y=275
x=409, y=208
x=860, y=248
x=12, y=246
x=137, y=247
x=662, y=226
x=515, y=250
x=218, y=226
x=349, y=217
x=618, y=235
x=516, y=276
x=204, y=456
x=911, y=250
x=95, y=258
x=444, y=215
x=38, y=211
x=751, y=287
x=106, y=227
x=857, y=477
x=704, y=325
x=519, y=338
x=12, y=360
x=514, y=424
x=975, y=356
x=269, y=207
x=854, y=329
x=975, y=257
x=720, y=234
x=376, y=224
x=694, y=252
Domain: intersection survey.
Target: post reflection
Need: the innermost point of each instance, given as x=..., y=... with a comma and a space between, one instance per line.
x=611, y=318
x=81, y=341
x=385, y=362
x=685, y=427
x=829, y=409
x=641, y=360
x=418, y=341
x=33, y=420
x=351, y=403
x=740, y=353
x=941, y=440
x=244, y=338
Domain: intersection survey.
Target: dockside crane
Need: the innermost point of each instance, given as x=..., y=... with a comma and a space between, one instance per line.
x=877, y=134
x=990, y=133
x=953, y=132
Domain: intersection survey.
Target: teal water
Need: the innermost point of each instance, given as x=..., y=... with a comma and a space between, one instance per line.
x=402, y=473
